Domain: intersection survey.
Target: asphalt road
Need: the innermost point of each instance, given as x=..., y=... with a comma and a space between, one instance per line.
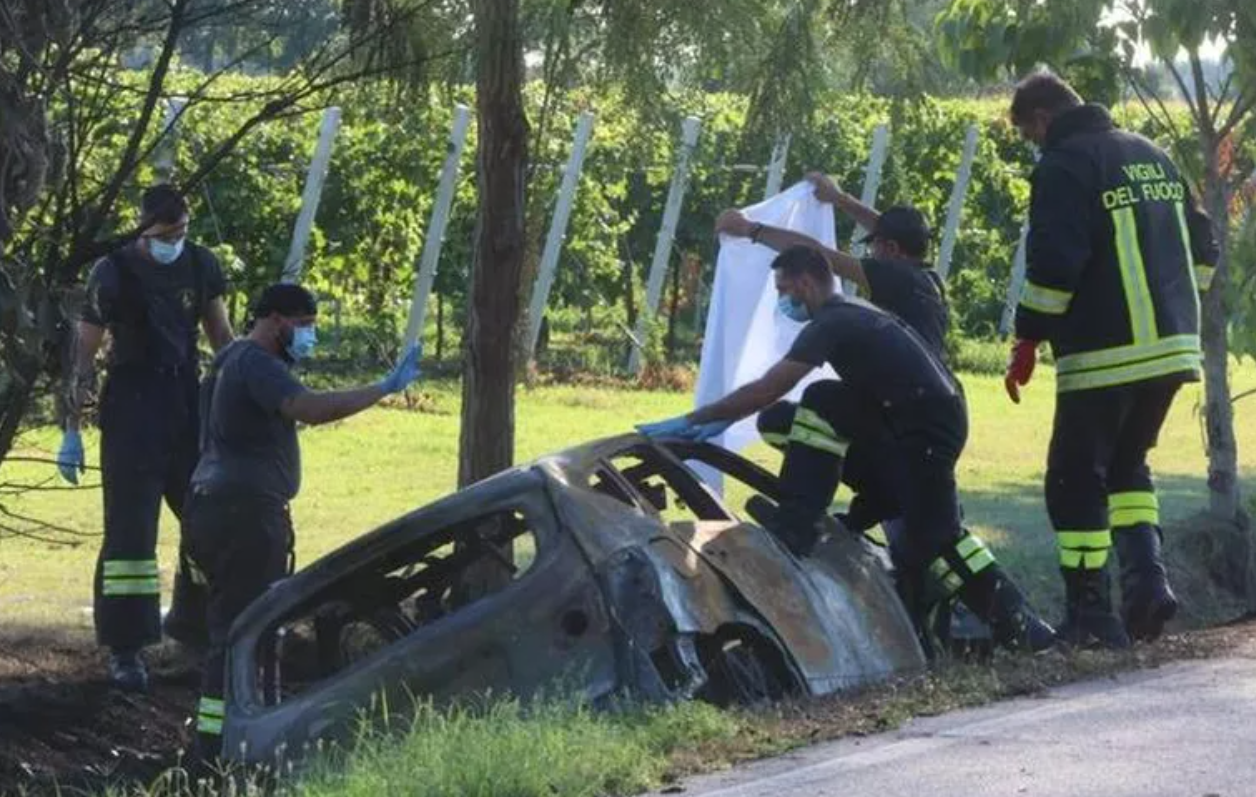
x=1187, y=729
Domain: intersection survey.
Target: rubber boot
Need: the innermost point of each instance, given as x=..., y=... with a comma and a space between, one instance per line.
x=998, y=602
x=127, y=670
x=1147, y=600
x=1089, y=619
x=800, y=539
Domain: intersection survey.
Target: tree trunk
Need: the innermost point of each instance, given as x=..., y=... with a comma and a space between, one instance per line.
x=1223, y=486
x=486, y=445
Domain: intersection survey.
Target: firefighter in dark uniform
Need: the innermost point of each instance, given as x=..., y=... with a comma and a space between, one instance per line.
x=893, y=391
x=896, y=278
x=151, y=297
x=238, y=529
x=1117, y=254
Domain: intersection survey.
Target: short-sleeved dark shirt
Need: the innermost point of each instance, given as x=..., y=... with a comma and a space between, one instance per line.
x=152, y=310
x=876, y=353
x=914, y=293
x=246, y=442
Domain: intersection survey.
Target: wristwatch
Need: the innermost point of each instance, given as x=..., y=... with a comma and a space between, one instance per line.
x=754, y=232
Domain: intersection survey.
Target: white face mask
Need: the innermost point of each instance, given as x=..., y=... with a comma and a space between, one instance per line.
x=164, y=252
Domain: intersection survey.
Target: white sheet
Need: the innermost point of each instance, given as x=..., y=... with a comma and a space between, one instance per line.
x=745, y=335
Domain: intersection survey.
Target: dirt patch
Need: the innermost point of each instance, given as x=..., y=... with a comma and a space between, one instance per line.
x=778, y=729
x=62, y=725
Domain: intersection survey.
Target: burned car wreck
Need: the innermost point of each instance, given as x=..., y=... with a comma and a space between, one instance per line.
x=642, y=582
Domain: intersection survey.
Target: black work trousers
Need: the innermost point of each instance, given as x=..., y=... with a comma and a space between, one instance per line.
x=149, y=431
x=242, y=542
x=901, y=460
x=1097, y=474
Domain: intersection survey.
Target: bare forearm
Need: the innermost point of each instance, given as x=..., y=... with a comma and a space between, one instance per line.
x=81, y=381
x=863, y=215
x=745, y=400
x=780, y=239
x=842, y=264
x=333, y=405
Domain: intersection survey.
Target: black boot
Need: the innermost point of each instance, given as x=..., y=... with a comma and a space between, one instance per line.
x=996, y=600
x=127, y=670
x=799, y=537
x=1147, y=601
x=1089, y=619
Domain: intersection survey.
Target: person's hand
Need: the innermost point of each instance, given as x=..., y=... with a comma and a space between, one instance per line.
x=705, y=431
x=680, y=426
x=734, y=223
x=70, y=458
x=826, y=189
x=1020, y=367
x=405, y=372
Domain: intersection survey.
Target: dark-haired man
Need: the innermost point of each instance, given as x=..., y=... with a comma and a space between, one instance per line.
x=896, y=278
x=150, y=297
x=1117, y=253
x=894, y=390
x=238, y=530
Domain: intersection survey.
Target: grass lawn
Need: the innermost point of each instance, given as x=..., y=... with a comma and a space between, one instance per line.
x=371, y=468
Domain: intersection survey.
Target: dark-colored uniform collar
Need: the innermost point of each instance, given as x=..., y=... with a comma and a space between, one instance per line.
x=1088, y=118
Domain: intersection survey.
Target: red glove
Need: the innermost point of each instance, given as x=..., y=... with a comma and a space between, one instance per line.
x=1020, y=367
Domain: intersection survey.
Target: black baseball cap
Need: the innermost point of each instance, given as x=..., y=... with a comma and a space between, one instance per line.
x=904, y=225
x=286, y=299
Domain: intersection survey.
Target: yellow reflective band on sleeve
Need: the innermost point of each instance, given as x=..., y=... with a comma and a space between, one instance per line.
x=118, y=587
x=1132, y=508
x=1086, y=550
x=129, y=567
x=949, y=579
x=1127, y=374
x=1045, y=300
x=1129, y=257
x=810, y=429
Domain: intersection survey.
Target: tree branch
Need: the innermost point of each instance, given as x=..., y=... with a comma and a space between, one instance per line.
x=131, y=152
x=1243, y=105
x=1206, y=120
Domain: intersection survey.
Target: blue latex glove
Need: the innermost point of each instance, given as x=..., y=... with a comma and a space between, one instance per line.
x=405, y=372
x=710, y=429
x=680, y=426
x=70, y=458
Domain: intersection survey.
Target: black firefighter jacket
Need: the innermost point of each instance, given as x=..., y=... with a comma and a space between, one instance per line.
x=1118, y=252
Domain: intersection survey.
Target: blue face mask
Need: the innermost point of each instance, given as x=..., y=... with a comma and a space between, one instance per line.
x=793, y=309
x=302, y=344
x=164, y=252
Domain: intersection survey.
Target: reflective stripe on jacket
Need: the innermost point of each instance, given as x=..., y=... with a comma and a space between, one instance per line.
x=1118, y=252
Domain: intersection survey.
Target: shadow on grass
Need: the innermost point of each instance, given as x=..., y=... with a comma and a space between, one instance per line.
x=1012, y=516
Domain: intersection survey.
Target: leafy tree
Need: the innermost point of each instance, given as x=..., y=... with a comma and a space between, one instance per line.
x=1098, y=42
x=76, y=136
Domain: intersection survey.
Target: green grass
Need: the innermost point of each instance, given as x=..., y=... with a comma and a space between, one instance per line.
x=364, y=471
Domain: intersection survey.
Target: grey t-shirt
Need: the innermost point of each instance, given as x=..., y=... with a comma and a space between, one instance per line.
x=246, y=443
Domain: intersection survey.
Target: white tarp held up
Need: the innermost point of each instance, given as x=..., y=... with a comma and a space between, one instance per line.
x=745, y=335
